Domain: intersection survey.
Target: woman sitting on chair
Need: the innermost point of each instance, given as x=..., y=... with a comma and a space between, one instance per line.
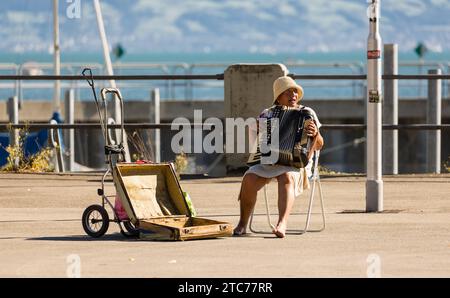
x=291, y=180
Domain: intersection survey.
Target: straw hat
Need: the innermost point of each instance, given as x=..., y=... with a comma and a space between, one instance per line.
x=284, y=83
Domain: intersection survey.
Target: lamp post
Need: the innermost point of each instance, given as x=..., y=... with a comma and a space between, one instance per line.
x=374, y=182
x=56, y=58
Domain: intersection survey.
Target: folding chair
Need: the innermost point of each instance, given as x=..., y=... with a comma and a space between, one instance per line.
x=314, y=179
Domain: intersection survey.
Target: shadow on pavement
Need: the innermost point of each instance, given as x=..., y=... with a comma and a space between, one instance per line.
x=109, y=237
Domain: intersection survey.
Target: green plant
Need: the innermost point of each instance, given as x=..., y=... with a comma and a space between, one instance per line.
x=181, y=163
x=447, y=165
x=143, y=149
x=17, y=160
x=324, y=170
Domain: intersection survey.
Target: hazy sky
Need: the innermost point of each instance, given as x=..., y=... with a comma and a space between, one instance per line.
x=265, y=26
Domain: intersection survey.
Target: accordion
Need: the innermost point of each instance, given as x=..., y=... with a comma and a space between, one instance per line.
x=293, y=142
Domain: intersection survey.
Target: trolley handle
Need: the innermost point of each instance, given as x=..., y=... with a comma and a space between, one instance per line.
x=87, y=74
x=115, y=91
x=89, y=78
x=105, y=91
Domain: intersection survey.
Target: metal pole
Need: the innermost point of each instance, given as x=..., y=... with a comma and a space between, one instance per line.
x=56, y=59
x=56, y=143
x=105, y=47
x=390, y=110
x=157, y=119
x=109, y=69
x=434, y=105
x=69, y=109
x=374, y=182
x=13, y=113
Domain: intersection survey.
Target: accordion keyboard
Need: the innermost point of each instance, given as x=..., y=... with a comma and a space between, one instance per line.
x=293, y=142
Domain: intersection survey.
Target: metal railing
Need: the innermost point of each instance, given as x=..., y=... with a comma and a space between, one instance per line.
x=7, y=127
x=188, y=89
x=217, y=77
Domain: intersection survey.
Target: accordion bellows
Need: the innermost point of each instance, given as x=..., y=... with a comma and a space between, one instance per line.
x=293, y=142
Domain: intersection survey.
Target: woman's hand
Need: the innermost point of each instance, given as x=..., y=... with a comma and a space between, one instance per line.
x=317, y=141
x=311, y=129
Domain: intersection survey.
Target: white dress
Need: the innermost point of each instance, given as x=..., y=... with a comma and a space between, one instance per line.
x=272, y=171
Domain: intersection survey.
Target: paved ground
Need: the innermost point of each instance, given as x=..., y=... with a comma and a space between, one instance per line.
x=41, y=233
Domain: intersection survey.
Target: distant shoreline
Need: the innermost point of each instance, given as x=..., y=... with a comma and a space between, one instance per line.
x=213, y=57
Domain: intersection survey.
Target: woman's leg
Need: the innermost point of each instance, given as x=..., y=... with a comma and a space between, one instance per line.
x=285, y=202
x=247, y=196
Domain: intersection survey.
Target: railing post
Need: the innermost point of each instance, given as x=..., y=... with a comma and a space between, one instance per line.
x=434, y=117
x=56, y=143
x=13, y=113
x=390, y=110
x=69, y=134
x=156, y=120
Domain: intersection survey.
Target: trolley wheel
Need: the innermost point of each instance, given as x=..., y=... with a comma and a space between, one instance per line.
x=132, y=231
x=95, y=221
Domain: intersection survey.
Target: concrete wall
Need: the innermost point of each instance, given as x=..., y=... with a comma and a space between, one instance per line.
x=135, y=111
x=248, y=90
x=329, y=110
x=350, y=159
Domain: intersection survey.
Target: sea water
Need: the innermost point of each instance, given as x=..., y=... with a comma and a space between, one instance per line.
x=348, y=63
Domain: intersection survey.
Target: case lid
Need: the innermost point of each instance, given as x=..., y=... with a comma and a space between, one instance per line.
x=149, y=191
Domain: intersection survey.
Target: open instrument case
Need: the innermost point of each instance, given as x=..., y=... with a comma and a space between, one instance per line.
x=153, y=199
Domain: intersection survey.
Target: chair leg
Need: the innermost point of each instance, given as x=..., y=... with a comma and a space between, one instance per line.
x=311, y=200
x=315, y=180
x=321, y=206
